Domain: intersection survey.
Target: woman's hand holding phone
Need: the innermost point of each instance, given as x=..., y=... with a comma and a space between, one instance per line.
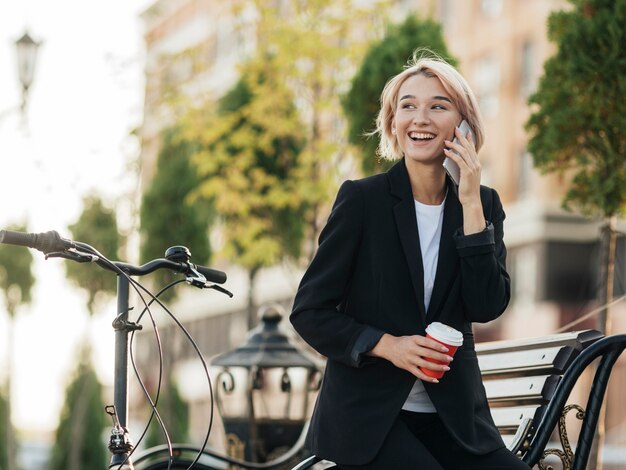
x=463, y=152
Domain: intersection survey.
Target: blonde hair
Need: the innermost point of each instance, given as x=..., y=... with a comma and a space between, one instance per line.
x=429, y=65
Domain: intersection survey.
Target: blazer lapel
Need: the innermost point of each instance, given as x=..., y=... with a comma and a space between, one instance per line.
x=447, y=262
x=406, y=223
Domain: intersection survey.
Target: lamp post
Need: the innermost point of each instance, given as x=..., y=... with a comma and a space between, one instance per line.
x=264, y=391
x=26, y=51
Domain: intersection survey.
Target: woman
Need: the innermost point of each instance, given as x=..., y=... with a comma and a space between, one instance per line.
x=400, y=250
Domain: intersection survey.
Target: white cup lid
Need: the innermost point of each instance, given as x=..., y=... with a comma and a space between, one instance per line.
x=445, y=334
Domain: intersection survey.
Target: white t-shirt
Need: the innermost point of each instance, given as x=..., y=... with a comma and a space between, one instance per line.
x=429, y=223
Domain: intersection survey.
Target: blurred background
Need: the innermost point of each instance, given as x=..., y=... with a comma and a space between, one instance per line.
x=227, y=127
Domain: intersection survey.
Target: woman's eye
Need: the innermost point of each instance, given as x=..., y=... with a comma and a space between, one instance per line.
x=407, y=106
x=438, y=106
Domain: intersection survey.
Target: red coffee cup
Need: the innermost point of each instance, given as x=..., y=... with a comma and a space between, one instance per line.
x=446, y=335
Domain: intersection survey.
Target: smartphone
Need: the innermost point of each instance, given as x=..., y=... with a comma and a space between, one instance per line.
x=453, y=170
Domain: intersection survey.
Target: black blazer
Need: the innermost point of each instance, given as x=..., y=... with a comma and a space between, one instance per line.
x=367, y=278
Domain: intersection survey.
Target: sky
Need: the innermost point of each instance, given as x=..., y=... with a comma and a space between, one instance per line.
x=85, y=100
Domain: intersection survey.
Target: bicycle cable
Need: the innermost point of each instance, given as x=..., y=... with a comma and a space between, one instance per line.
x=204, y=366
x=153, y=404
x=136, y=286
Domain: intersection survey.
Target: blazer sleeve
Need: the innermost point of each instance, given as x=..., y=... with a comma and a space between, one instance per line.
x=485, y=283
x=316, y=315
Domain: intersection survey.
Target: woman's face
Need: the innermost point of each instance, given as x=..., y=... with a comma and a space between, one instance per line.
x=424, y=117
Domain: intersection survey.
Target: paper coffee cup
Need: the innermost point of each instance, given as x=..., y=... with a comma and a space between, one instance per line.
x=446, y=335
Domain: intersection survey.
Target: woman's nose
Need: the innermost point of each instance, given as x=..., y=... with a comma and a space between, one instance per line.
x=421, y=116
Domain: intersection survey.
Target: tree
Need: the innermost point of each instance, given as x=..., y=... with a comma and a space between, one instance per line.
x=316, y=45
x=96, y=226
x=383, y=60
x=79, y=442
x=167, y=217
x=5, y=430
x=252, y=151
x=578, y=123
x=16, y=282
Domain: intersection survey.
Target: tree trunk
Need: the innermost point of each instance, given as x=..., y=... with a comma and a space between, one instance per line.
x=607, y=273
x=80, y=413
x=252, y=314
x=11, y=444
x=316, y=134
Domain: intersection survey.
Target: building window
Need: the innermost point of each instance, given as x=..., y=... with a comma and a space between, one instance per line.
x=527, y=69
x=524, y=175
x=491, y=8
x=524, y=273
x=488, y=85
x=446, y=11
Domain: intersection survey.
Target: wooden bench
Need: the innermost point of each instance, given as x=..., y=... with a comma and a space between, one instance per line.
x=528, y=382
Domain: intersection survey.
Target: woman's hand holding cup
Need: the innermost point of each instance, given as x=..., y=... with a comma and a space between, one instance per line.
x=424, y=357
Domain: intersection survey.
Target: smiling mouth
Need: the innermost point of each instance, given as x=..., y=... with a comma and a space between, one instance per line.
x=421, y=136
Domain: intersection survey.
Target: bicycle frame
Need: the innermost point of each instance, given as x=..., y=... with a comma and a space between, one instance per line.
x=119, y=444
x=177, y=258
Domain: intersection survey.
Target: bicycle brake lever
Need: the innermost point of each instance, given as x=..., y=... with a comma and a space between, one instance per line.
x=73, y=255
x=219, y=289
x=194, y=277
x=197, y=279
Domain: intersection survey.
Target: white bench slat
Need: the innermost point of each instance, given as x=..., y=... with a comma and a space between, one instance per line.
x=512, y=417
x=534, y=359
x=574, y=338
x=519, y=388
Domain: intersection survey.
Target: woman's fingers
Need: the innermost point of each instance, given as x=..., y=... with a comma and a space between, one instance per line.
x=413, y=352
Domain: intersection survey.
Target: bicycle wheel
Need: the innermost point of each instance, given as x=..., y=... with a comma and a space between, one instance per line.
x=177, y=464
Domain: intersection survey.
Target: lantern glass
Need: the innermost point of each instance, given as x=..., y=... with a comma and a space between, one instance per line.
x=281, y=394
x=232, y=392
x=26, y=50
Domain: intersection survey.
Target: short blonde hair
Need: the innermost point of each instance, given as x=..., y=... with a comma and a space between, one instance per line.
x=452, y=81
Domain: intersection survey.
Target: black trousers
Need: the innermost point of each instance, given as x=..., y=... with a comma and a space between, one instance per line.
x=420, y=441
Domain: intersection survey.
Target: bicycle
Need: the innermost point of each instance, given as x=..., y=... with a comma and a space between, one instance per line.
x=177, y=258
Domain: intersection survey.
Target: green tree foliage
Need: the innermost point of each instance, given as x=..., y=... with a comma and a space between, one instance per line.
x=5, y=429
x=16, y=275
x=96, y=226
x=317, y=45
x=167, y=217
x=174, y=412
x=579, y=120
x=383, y=60
x=79, y=441
x=16, y=282
x=248, y=169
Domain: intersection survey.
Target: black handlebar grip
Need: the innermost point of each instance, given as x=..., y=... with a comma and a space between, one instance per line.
x=212, y=275
x=46, y=242
x=17, y=238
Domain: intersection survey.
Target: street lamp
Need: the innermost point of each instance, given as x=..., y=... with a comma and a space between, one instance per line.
x=264, y=391
x=26, y=50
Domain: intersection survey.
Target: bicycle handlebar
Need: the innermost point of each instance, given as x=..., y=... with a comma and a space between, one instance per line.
x=45, y=242
x=51, y=242
x=212, y=275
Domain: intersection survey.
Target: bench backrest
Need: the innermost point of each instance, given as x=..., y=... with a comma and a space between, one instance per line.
x=521, y=376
